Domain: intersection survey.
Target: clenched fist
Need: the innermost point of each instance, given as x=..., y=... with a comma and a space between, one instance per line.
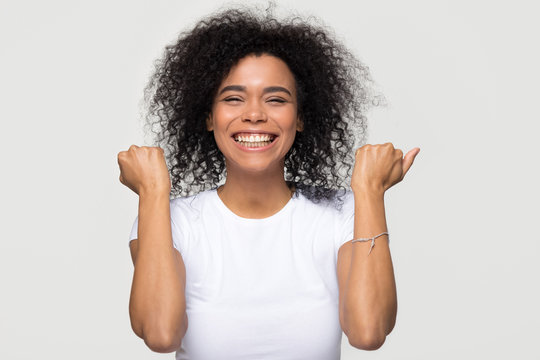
x=143, y=169
x=379, y=167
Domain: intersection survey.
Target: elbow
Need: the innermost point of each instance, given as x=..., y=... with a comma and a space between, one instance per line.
x=160, y=336
x=367, y=342
x=370, y=335
x=163, y=343
x=163, y=339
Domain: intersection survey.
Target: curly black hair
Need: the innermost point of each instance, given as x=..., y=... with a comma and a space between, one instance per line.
x=332, y=95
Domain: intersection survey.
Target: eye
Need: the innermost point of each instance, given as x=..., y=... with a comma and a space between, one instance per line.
x=232, y=99
x=277, y=100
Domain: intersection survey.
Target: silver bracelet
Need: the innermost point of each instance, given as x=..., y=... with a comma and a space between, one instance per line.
x=372, y=240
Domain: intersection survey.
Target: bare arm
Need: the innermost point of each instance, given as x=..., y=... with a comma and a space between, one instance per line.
x=367, y=287
x=157, y=306
x=368, y=302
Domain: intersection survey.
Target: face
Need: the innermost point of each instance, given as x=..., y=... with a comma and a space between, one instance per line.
x=254, y=114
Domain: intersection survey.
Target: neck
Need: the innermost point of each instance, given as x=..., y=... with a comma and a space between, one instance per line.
x=255, y=195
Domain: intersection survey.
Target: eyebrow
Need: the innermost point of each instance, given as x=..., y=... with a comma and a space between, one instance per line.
x=265, y=90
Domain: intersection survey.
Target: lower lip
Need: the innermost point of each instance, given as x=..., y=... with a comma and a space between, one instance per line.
x=255, y=149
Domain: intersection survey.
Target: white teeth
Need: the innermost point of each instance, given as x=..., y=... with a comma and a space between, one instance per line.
x=254, y=144
x=254, y=138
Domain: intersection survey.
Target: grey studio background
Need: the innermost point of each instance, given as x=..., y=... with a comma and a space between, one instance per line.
x=461, y=79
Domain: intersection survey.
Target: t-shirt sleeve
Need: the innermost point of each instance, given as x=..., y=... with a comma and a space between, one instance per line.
x=179, y=229
x=345, y=222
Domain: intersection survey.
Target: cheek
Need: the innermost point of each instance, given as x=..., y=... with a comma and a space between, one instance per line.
x=285, y=115
x=226, y=113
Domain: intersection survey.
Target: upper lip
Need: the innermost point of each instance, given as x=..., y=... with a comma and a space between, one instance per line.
x=251, y=131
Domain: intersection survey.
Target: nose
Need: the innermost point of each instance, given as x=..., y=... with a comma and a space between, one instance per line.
x=254, y=113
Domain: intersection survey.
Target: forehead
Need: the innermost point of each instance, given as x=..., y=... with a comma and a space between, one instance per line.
x=261, y=70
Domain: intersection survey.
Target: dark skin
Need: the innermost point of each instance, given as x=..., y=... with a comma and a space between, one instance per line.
x=255, y=186
x=263, y=99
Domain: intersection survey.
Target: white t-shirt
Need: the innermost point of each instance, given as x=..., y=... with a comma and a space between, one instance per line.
x=260, y=288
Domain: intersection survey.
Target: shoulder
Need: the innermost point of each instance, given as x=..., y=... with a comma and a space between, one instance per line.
x=190, y=207
x=333, y=200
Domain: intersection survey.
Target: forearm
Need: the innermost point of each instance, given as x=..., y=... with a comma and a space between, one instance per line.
x=157, y=304
x=370, y=301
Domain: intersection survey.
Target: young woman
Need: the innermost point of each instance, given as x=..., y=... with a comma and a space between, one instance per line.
x=261, y=266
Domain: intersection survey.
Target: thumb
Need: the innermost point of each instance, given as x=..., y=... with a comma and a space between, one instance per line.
x=408, y=160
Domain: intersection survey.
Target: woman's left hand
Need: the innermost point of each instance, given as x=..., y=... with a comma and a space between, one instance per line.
x=379, y=167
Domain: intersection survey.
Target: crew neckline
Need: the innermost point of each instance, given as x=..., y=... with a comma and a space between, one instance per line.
x=270, y=218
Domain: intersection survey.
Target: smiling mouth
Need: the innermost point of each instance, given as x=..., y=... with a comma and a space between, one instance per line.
x=254, y=140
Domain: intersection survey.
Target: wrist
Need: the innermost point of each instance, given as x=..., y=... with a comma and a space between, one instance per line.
x=365, y=192
x=154, y=193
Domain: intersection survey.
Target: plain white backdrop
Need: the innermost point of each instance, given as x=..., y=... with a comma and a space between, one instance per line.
x=461, y=79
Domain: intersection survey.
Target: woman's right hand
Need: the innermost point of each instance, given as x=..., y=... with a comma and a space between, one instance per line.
x=143, y=169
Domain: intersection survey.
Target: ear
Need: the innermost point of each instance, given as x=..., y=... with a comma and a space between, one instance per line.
x=299, y=124
x=209, y=123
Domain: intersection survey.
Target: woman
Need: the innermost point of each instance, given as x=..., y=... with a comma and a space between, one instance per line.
x=250, y=269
